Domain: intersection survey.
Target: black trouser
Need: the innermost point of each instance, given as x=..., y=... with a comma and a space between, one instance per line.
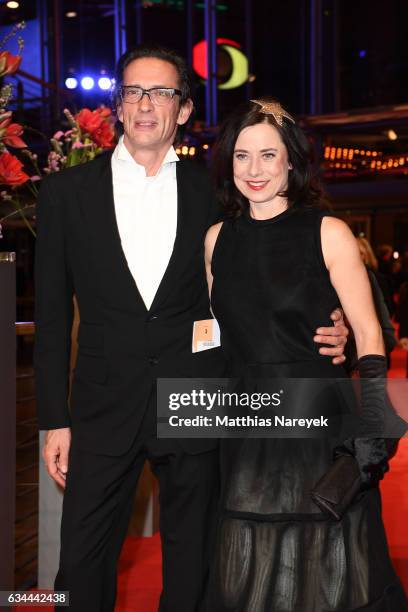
x=96, y=511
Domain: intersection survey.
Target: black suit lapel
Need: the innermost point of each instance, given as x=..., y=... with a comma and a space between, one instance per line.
x=98, y=209
x=185, y=234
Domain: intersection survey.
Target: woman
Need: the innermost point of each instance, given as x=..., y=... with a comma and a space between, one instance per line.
x=371, y=262
x=402, y=316
x=276, y=266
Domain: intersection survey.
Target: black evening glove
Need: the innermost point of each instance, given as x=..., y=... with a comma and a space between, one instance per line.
x=362, y=461
x=369, y=447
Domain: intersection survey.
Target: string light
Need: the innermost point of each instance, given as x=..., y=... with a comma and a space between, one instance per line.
x=365, y=159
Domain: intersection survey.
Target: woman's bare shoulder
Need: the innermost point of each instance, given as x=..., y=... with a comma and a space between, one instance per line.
x=338, y=241
x=335, y=227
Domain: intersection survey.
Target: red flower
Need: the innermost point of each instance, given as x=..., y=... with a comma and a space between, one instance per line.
x=97, y=124
x=104, y=136
x=11, y=172
x=9, y=63
x=10, y=134
x=103, y=111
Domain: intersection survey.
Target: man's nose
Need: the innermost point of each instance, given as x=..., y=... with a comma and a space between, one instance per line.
x=145, y=103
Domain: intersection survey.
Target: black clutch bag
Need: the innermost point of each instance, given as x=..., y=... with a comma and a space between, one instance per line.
x=337, y=488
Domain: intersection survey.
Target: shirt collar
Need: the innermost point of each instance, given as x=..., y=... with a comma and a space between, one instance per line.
x=122, y=153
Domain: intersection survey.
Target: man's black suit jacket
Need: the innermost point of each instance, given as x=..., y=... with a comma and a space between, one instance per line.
x=123, y=347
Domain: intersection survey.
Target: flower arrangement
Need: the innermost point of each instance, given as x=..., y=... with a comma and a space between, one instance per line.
x=89, y=133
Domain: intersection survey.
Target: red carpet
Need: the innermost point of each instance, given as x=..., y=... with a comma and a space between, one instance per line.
x=139, y=570
x=139, y=581
x=394, y=488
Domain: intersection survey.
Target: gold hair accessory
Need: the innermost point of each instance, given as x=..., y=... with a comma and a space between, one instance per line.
x=275, y=109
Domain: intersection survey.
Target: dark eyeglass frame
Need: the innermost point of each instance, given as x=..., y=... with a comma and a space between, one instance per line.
x=172, y=90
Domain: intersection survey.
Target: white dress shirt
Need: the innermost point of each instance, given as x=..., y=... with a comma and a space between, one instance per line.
x=146, y=214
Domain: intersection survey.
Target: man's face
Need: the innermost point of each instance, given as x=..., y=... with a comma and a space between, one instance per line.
x=148, y=126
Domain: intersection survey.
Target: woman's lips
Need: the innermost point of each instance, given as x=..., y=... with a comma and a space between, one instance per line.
x=256, y=185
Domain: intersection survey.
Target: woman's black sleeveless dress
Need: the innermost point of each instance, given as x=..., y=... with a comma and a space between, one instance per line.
x=276, y=551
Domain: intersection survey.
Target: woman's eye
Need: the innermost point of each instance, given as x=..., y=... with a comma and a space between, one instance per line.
x=240, y=156
x=269, y=155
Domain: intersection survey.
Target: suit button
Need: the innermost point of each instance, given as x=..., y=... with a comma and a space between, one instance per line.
x=153, y=361
x=152, y=317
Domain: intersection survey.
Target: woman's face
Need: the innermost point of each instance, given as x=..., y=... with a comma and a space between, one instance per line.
x=260, y=164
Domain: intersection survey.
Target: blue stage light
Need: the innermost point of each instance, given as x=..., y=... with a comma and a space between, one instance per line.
x=104, y=83
x=71, y=83
x=362, y=53
x=87, y=82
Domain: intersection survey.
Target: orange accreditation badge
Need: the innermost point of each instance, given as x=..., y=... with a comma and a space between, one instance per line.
x=206, y=335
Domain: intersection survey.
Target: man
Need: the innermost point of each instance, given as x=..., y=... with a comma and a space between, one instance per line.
x=125, y=234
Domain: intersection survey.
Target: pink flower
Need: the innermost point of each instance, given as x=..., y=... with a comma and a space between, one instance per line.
x=53, y=161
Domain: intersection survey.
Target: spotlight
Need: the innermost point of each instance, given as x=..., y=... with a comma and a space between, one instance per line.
x=71, y=14
x=104, y=83
x=362, y=53
x=395, y=255
x=71, y=83
x=392, y=135
x=87, y=82
x=12, y=4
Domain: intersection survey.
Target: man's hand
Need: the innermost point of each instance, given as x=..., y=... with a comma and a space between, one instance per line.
x=55, y=453
x=404, y=343
x=336, y=336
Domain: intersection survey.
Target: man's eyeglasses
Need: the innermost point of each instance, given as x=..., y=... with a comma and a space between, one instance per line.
x=160, y=96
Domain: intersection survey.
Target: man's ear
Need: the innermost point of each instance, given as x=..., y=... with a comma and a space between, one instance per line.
x=185, y=112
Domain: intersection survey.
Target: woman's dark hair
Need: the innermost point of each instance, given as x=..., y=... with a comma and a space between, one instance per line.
x=303, y=188
x=157, y=52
